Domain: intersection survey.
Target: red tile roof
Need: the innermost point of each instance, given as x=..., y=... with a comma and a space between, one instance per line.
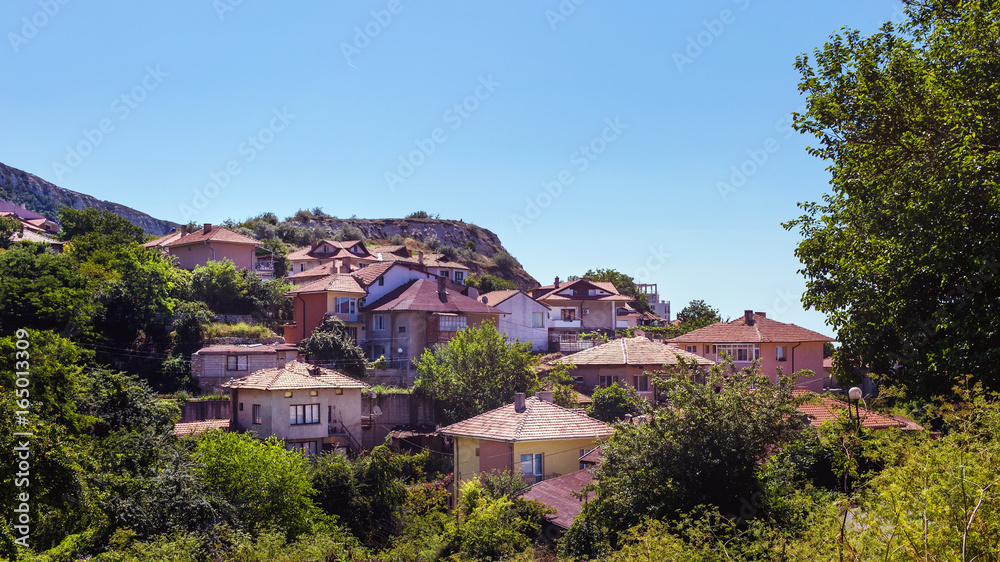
x=557, y=493
x=494, y=298
x=422, y=295
x=539, y=421
x=633, y=351
x=551, y=293
x=763, y=330
x=821, y=409
x=336, y=283
x=216, y=234
x=19, y=211
x=162, y=240
x=369, y=274
x=195, y=427
x=295, y=375
x=228, y=349
x=337, y=249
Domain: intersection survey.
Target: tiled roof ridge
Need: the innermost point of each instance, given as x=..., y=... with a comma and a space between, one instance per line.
x=625, y=351
x=529, y=404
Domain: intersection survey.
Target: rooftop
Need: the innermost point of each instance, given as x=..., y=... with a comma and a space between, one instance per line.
x=538, y=421
x=760, y=329
x=557, y=493
x=822, y=409
x=209, y=234
x=633, y=351
x=195, y=427
x=423, y=295
x=295, y=375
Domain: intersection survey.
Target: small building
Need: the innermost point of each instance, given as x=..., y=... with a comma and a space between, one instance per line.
x=532, y=437
x=351, y=254
x=35, y=221
x=209, y=243
x=213, y=365
x=560, y=494
x=527, y=320
x=778, y=345
x=627, y=362
x=580, y=306
x=311, y=408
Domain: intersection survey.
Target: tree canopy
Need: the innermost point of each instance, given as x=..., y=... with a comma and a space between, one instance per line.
x=903, y=252
x=331, y=344
x=625, y=284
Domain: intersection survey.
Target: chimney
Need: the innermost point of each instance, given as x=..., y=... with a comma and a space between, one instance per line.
x=441, y=290
x=345, y=266
x=184, y=230
x=420, y=257
x=208, y=227
x=545, y=396
x=473, y=293
x=748, y=317
x=518, y=401
x=556, y=284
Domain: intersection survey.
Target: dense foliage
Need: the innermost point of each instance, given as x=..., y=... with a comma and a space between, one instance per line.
x=331, y=345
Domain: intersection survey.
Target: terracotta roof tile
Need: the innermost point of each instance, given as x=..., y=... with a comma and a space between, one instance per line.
x=821, y=409
x=557, y=493
x=763, y=330
x=539, y=421
x=216, y=234
x=162, y=240
x=336, y=283
x=633, y=351
x=228, y=349
x=195, y=427
x=494, y=298
x=19, y=211
x=422, y=294
x=369, y=274
x=295, y=375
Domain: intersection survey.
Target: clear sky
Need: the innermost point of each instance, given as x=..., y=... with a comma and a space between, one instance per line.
x=648, y=137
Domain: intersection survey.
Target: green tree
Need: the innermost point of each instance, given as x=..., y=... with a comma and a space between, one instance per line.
x=902, y=254
x=93, y=232
x=487, y=283
x=266, y=483
x=625, y=284
x=697, y=314
x=476, y=371
x=220, y=286
x=331, y=344
x=43, y=291
x=614, y=403
x=9, y=226
x=704, y=449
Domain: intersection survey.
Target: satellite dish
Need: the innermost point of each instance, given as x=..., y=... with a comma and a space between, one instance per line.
x=376, y=411
x=486, y=300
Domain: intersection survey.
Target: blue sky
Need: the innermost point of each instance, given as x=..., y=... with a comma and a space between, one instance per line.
x=647, y=137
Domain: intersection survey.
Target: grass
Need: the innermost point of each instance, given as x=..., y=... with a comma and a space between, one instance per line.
x=238, y=330
x=383, y=389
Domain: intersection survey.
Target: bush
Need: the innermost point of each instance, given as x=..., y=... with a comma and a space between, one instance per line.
x=449, y=252
x=505, y=260
x=613, y=403
x=348, y=232
x=418, y=215
x=217, y=330
x=432, y=242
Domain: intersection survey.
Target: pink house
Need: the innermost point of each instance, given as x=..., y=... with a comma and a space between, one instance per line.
x=755, y=336
x=210, y=243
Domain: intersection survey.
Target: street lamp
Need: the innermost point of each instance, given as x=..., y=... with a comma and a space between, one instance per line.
x=855, y=395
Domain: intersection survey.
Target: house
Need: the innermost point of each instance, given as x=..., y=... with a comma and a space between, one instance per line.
x=527, y=320
x=441, y=266
x=391, y=252
x=35, y=221
x=418, y=314
x=660, y=307
x=532, y=437
x=351, y=254
x=755, y=336
x=821, y=409
x=209, y=243
x=580, y=306
x=34, y=231
x=627, y=362
x=311, y=408
x=213, y=365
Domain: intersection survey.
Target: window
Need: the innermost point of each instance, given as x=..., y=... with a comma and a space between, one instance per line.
x=531, y=467
x=568, y=314
x=583, y=465
x=288, y=394
x=780, y=352
x=236, y=362
x=313, y=393
x=256, y=414
x=241, y=406
x=608, y=380
x=402, y=329
x=706, y=349
x=537, y=320
x=477, y=451
x=740, y=352
x=459, y=276
x=345, y=305
x=307, y=448
x=691, y=348
x=451, y=323
x=641, y=382
x=378, y=322
x=303, y=414
x=381, y=281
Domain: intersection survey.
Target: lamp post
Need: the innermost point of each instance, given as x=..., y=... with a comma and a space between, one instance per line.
x=855, y=395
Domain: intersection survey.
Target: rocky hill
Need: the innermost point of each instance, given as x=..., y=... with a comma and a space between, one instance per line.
x=18, y=186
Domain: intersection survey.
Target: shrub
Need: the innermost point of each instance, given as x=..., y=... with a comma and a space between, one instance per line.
x=614, y=403
x=348, y=232
x=238, y=330
x=449, y=252
x=418, y=215
x=432, y=242
x=505, y=260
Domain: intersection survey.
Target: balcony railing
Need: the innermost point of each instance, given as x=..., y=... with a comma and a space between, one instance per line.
x=621, y=323
x=347, y=317
x=571, y=346
x=554, y=323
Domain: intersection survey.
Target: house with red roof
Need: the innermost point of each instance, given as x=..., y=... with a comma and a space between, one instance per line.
x=581, y=306
x=311, y=408
x=527, y=320
x=532, y=437
x=209, y=243
x=820, y=409
x=778, y=345
x=344, y=255
x=215, y=364
x=33, y=221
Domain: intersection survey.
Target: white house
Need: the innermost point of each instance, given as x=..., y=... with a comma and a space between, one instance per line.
x=526, y=320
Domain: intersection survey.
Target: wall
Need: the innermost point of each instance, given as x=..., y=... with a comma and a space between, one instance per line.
x=209, y=371
x=308, y=312
x=808, y=355
x=189, y=257
x=275, y=413
x=517, y=324
x=559, y=457
x=397, y=410
x=197, y=410
x=591, y=374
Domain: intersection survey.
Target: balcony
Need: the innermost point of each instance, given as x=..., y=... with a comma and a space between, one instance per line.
x=553, y=323
x=621, y=323
x=346, y=317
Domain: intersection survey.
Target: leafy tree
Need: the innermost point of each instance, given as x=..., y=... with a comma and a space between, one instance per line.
x=9, y=226
x=120, y=401
x=419, y=215
x=476, y=371
x=705, y=449
x=263, y=481
x=614, y=403
x=487, y=283
x=43, y=291
x=189, y=327
x=221, y=286
x=625, y=285
x=698, y=314
x=331, y=344
x=280, y=252
x=92, y=231
x=902, y=254
x=491, y=527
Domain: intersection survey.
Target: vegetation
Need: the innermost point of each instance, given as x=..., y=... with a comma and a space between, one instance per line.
x=902, y=254
x=476, y=371
x=625, y=285
x=9, y=227
x=613, y=403
x=487, y=283
x=330, y=344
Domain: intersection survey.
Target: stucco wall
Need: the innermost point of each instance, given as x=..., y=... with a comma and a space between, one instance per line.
x=189, y=257
x=209, y=371
x=805, y=355
x=275, y=416
x=518, y=322
x=559, y=457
